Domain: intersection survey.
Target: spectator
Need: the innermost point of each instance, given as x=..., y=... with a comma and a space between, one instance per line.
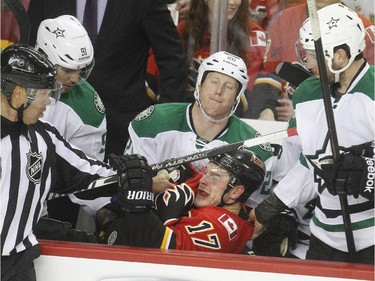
x=212, y=201
x=35, y=158
x=263, y=11
x=125, y=34
x=10, y=32
x=343, y=46
x=283, y=32
x=173, y=130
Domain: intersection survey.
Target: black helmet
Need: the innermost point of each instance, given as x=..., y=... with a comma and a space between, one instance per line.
x=24, y=66
x=245, y=167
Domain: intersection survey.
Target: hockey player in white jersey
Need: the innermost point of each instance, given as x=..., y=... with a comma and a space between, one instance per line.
x=352, y=84
x=79, y=115
x=172, y=130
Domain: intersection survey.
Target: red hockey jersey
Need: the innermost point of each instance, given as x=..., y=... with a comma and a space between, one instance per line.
x=210, y=229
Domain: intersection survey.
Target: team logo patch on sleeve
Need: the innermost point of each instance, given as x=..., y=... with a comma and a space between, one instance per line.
x=230, y=226
x=34, y=166
x=145, y=113
x=265, y=146
x=98, y=103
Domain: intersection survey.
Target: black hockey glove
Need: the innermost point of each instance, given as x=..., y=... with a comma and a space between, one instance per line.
x=279, y=236
x=365, y=149
x=350, y=175
x=135, y=182
x=51, y=229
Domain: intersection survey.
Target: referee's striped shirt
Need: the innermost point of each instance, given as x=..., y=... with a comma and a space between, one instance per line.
x=35, y=160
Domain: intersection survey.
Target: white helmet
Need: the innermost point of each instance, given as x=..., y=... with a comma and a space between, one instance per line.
x=338, y=25
x=66, y=43
x=228, y=64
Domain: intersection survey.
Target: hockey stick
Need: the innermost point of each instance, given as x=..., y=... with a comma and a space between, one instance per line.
x=330, y=118
x=22, y=18
x=169, y=163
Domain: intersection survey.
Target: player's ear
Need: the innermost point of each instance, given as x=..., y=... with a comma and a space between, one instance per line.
x=237, y=191
x=19, y=96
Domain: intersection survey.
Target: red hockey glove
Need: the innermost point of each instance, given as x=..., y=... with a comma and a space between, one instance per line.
x=135, y=182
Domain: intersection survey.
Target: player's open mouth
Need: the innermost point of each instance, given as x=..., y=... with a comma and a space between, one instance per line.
x=202, y=193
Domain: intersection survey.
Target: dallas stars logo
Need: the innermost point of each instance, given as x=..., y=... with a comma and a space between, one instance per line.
x=59, y=32
x=332, y=23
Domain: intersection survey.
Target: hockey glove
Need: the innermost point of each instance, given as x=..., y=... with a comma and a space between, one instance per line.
x=51, y=229
x=351, y=175
x=365, y=149
x=279, y=236
x=135, y=182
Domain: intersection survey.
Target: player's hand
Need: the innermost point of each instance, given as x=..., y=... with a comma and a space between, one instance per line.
x=183, y=7
x=135, y=182
x=285, y=110
x=350, y=175
x=278, y=237
x=161, y=181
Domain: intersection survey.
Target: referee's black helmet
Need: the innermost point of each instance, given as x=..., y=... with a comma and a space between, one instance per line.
x=24, y=66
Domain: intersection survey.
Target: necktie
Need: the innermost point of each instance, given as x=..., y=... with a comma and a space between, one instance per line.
x=90, y=19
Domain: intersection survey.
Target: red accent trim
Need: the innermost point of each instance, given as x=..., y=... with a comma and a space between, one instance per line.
x=208, y=259
x=292, y=132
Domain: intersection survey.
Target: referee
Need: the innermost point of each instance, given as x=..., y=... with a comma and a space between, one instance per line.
x=35, y=158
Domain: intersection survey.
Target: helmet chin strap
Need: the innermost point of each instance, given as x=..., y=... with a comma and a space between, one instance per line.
x=19, y=110
x=337, y=77
x=229, y=187
x=205, y=114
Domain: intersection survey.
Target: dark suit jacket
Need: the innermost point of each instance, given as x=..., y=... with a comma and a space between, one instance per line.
x=129, y=29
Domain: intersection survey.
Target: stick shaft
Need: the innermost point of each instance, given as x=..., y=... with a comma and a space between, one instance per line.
x=192, y=157
x=223, y=149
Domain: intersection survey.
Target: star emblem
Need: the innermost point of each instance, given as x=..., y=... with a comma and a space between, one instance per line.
x=332, y=23
x=59, y=33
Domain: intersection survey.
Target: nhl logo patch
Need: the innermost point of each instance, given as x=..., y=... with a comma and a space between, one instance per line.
x=98, y=103
x=34, y=166
x=145, y=113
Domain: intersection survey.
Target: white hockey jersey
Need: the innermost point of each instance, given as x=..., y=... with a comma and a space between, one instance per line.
x=165, y=131
x=354, y=119
x=80, y=117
